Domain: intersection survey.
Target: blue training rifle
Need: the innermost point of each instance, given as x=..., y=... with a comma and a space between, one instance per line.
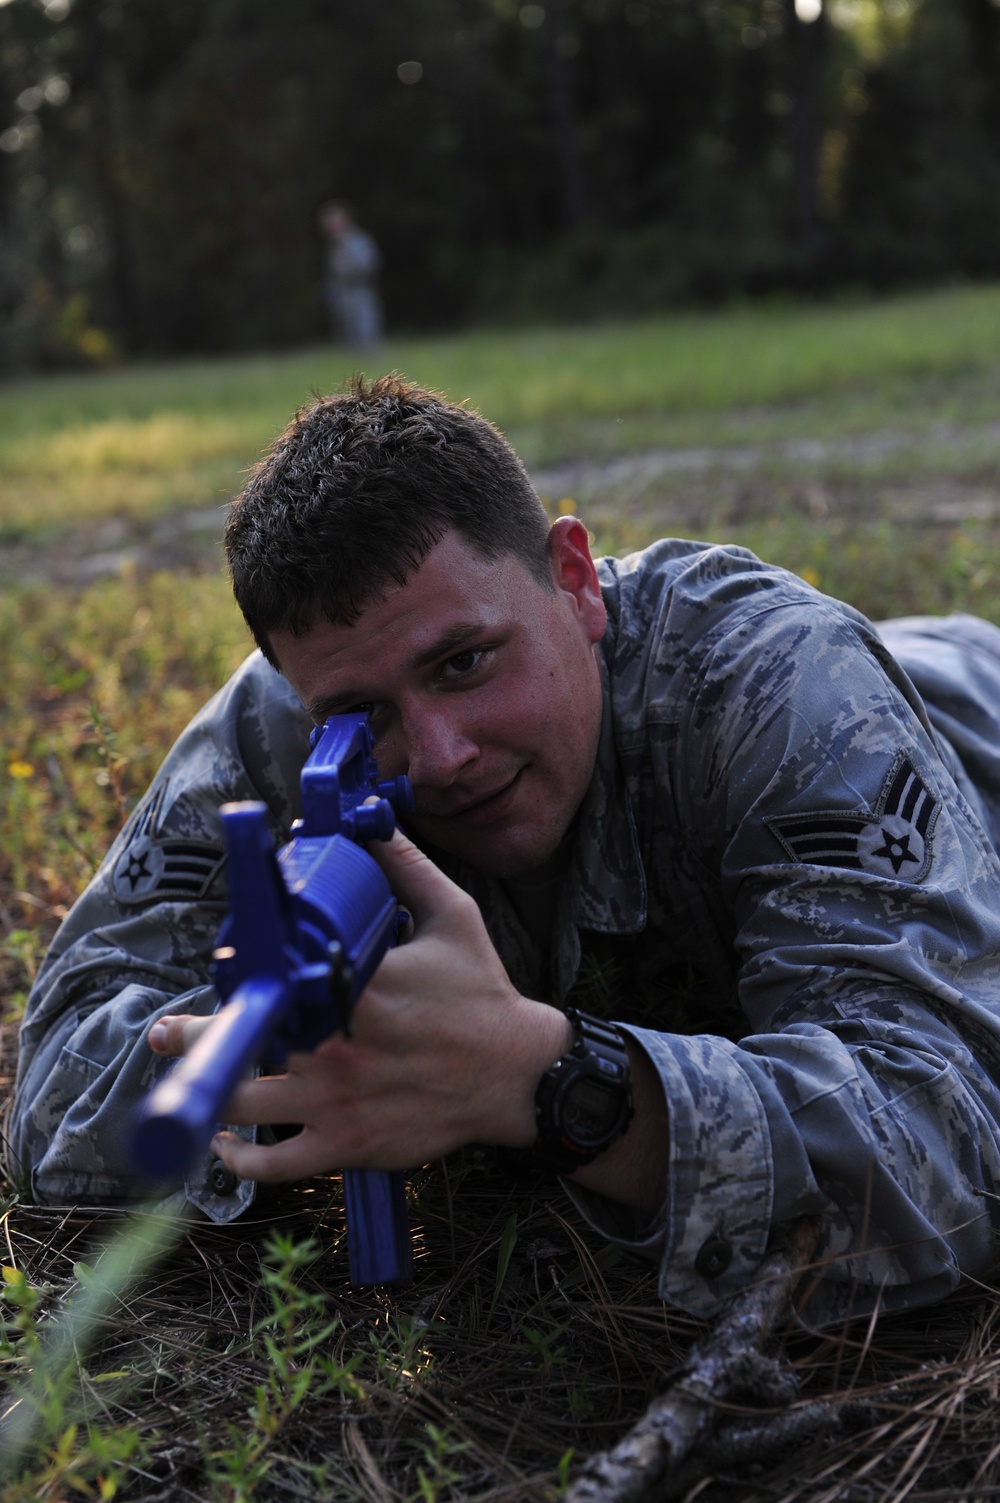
x=306, y=930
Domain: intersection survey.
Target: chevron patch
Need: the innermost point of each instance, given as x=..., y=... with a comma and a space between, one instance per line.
x=154, y=869
x=894, y=840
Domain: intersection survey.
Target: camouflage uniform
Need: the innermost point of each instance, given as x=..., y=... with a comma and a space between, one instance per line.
x=784, y=882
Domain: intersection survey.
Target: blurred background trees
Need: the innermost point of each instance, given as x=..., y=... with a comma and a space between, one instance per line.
x=162, y=161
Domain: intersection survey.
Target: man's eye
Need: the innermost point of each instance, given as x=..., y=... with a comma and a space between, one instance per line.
x=464, y=662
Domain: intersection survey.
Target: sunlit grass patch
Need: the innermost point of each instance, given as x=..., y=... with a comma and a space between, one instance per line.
x=136, y=445
x=140, y=441
x=122, y=466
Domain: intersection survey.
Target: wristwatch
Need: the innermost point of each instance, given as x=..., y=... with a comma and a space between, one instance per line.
x=583, y=1103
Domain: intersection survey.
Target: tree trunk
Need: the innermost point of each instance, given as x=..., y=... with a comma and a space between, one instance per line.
x=807, y=47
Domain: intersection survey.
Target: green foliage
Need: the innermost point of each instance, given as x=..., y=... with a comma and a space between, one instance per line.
x=562, y=1476
x=920, y=179
x=398, y=1348
x=508, y=1241
x=85, y=1459
x=333, y=1392
x=18, y=955
x=50, y=1437
x=291, y=1340
x=733, y=245
x=546, y=1348
x=438, y=1473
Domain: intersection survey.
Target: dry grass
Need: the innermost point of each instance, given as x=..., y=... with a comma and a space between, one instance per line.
x=466, y=1385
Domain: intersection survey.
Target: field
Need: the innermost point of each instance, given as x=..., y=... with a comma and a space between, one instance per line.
x=858, y=444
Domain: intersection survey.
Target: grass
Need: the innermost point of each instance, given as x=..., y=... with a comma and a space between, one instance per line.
x=145, y=441
x=235, y=1363
x=96, y=686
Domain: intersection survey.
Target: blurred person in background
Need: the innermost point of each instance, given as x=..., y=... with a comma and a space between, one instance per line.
x=353, y=262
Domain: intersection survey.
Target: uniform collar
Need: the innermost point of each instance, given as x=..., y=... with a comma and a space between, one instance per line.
x=606, y=887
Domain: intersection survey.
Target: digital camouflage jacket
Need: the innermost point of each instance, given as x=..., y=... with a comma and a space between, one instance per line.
x=784, y=885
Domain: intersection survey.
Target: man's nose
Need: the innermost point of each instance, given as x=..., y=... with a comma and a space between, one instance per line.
x=439, y=749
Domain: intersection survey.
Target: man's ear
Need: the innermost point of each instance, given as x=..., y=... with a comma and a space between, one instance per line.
x=574, y=574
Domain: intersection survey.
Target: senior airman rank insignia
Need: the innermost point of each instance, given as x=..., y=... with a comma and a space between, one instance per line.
x=159, y=868
x=894, y=840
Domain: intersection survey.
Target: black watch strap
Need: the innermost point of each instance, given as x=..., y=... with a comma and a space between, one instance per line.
x=583, y=1103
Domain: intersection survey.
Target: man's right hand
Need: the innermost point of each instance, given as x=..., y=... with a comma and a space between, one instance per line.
x=444, y=1052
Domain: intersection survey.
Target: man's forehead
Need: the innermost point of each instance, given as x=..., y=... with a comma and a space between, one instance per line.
x=445, y=606
x=451, y=575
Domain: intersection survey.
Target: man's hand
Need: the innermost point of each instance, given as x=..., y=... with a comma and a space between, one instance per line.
x=445, y=1051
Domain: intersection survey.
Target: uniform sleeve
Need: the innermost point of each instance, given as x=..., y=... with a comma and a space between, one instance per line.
x=838, y=858
x=138, y=944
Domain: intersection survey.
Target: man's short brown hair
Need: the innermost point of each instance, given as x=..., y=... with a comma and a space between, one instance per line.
x=356, y=491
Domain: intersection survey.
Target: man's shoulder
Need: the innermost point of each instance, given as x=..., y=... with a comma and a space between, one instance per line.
x=254, y=691
x=685, y=616
x=686, y=589
x=695, y=570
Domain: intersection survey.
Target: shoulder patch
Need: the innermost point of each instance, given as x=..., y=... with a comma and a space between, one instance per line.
x=891, y=840
x=163, y=869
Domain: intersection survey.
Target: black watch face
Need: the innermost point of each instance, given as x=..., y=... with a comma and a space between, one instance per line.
x=590, y=1110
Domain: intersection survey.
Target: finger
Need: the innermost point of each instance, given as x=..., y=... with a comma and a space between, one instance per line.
x=417, y=884
x=176, y=1035
x=274, y=1100
x=273, y=1163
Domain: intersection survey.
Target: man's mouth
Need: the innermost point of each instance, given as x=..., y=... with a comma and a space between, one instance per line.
x=482, y=810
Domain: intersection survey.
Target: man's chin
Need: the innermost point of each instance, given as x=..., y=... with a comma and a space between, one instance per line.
x=497, y=853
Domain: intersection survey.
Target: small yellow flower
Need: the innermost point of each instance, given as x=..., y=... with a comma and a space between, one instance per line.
x=810, y=576
x=19, y=769
x=567, y=507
